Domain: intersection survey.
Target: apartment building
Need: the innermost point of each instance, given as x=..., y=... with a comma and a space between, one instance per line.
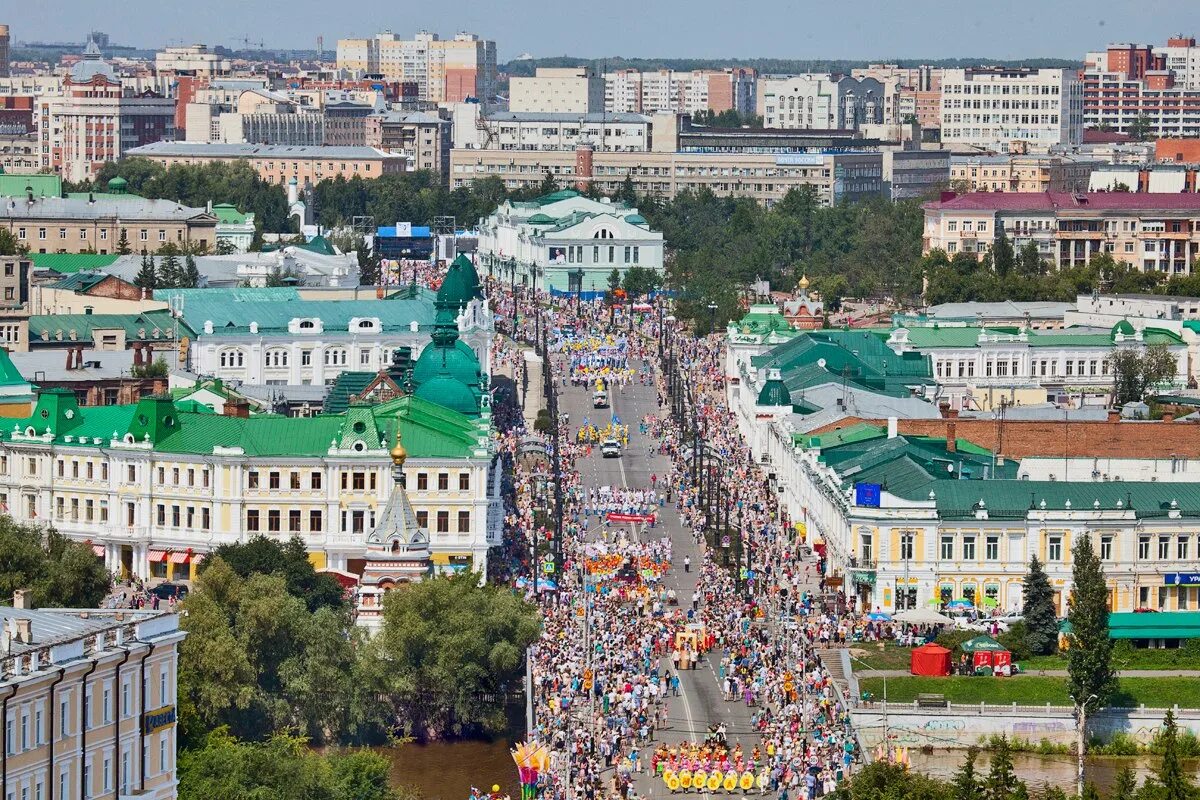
x=1003, y=110
x=1022, y=173
x=668, y=91
x=98, y=224
x=422, y=138
x=822, y=102
x=565, y=90
x=1153, y=232
x=476, y=129
x=1130, y=85
x=444, y=70
x=281, y=163
x=90, y=702
x=20, y=153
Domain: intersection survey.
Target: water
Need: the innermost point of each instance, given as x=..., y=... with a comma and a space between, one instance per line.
x=1037, y=770
x=448, y=770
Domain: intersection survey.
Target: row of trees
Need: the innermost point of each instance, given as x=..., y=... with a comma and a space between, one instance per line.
x=60, y=572
x=170, y=272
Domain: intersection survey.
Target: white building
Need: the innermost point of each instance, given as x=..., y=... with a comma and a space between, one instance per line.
x=667, y=91
x=995, y=109
x=566, y=90
x=474, y=129
x=567, y=242
x=821, y=102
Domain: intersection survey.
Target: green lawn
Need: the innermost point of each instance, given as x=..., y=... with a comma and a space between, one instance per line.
x=879, y=655
x=1031, y=690
x=1125, y=660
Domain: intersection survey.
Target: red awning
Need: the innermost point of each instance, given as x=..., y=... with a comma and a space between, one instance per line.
x=98, y=549
x=156, y=556
x=179, y=557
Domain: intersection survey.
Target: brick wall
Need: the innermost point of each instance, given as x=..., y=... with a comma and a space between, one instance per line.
x=1073, y=439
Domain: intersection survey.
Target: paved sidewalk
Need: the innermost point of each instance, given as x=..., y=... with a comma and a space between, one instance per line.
x=1047, y=673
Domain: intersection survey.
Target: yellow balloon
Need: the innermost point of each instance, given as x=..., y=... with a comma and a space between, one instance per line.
x=699, y=777
x=673, y=783
x=714, y=781
x=667, y=776
x=685, y=779
x=747, y=781
x=730, y=781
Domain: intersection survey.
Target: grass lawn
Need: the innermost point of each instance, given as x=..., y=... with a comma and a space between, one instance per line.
x=1032, y=690
x=880, y=655
x=1129, y=659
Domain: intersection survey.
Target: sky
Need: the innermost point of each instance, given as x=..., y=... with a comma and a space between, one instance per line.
x=865, y=29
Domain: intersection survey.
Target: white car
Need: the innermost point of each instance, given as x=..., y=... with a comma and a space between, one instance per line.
x=610, y=448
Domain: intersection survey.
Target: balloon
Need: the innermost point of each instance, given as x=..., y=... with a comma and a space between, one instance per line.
x=731, y=780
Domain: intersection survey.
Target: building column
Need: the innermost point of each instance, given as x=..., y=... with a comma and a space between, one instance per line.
x=141, y=561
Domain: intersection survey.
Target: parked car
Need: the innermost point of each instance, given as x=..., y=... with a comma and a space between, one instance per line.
x=165, y=591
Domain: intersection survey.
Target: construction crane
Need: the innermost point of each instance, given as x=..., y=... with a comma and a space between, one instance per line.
x=247, y=43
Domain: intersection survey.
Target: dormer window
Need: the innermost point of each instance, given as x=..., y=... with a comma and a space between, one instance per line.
x=307, y=324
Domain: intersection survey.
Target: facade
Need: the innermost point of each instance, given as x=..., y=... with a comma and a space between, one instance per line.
x=1022, y=173
x=279, y=163
x=820, y=102
x=14, y=302
x=1153, y=232
x=566, y=242
x=910, y=173
x=280, y=128
x=77, y=224
x=567, y=90
x=195, y=60
x=4, y=39
x=444, y=70
x=235, y=230
x=20, y=153
x=1131, y=85
x=1005, y=110
x=665, y=91
x=422, y=138
x=475, y=129
x=90, y=702
x=766, y=177
x=346, y=123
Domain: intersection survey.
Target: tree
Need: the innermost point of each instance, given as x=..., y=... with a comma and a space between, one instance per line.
x=191, y=273
x=368, y=264
x=1125, y=783
x=626, y=193
x=1041, y=623
x=147, y=276
x=1137, y=372
x=966, y=781
x=157, y=369
x=641, y=281
x=1001, y=782
x=10, y=245
x=1090, y=792
x=549, y=184
x=225, y=247
x=1003, y=258
x=262, y=556
x=170, y=273
x=447, y=642
x=1141, y=128
x=59, y=571
x=283, y=276
x=123, y=244
x=1091, y=679
x=1170, y=782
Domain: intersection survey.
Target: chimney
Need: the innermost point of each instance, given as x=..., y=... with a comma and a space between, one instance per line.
x=237, y=407
x=1168, y=416
x=23, y=599
x=951, y=437
x=79, y=357
x=70, y=358
x=893, y=424
x=24, y=631
x=1114, y=415
x=944, y=408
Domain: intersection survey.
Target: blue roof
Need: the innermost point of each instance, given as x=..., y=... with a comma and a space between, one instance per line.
x=418, y=232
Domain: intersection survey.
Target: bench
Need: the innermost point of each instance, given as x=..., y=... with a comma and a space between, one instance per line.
x=932, y=701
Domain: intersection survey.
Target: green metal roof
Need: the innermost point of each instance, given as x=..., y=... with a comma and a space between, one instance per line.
x=555, y=197
x=146, y=326
x=855, y=433
x=9, y=374
x=43, y=185
x=1013, y=499
x=935, y=336
x=429, y=429
x=774, y=393
x=69, y=263
x=1149, y=625
x=228, y=214
x=78, y=281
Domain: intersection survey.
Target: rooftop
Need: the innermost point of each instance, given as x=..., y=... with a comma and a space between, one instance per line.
x=127, y=207
x=145, y=326
x=215, y=150
x=1068, y=201
x=595, y=117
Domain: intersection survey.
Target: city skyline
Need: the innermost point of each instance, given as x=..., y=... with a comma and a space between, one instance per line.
x=880, y=32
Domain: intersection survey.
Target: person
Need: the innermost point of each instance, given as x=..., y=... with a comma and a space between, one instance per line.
x=687, y=563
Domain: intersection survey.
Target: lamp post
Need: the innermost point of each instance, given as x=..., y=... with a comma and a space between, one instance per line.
x=712, y=317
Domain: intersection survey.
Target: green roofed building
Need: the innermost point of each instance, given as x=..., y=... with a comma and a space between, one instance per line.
x=154, y=486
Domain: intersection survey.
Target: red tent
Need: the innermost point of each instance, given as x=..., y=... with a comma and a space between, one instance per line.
x=930, y=659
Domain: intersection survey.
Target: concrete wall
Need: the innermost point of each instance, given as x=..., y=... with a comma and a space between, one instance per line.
x=962, y=726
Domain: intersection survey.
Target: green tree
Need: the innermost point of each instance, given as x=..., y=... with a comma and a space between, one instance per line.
x=283, y=276
x=157, y=369
x=626, y=193
x=262, y=556
x=10, y=245
x=147, y=276
x=1090, y=792
x=880, y=780
x=1029, y=261
x=1170, y=782
x=1137, y=372
x=1041, y=623
x=369, y=264
x=170, y=272
x=1141, y=128
x=1091, y=678
x=1003, y=257
x=60, y=572
x=1125, y=783
x=191, y=273
x=549, y=184
x=123, y=247
x=641, y=281
x=446, y=643
x=1001, y=782
x=966, y=780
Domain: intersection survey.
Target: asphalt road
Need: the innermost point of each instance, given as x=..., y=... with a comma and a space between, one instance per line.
x=701, y=702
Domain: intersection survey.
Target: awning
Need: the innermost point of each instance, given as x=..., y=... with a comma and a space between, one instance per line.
x=179, y=557
x=156, y=556
x=98, y=549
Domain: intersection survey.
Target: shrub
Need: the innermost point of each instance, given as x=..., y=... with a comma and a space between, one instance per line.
x=1015, y=639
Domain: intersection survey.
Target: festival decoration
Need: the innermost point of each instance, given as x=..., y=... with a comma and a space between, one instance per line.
x=532, y=759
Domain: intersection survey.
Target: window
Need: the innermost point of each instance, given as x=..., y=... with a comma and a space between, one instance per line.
x=314, y=521
x=1106, y=543
x=273, y=520
x=947, y=548
x=162, y=685
x=422, y=481
x=359, y=481
x=991, y=551
x=252, y=520
x=252, y=479
x=1164, y=548
x=106, y=704
x=464, y=521
x=314, y=480
x=273, y=480
x=423, y=519
x=443, y=481
x=443, y=522
x=1054, y=549
x=1181, y=548
x=968, y=548
x=865, y=548
x=464, y=481
x=1143, y=548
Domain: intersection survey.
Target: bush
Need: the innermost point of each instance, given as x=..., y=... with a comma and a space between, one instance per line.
x=1121, y=744
x=951, y=638
x=1016, y=641
x=542, y=423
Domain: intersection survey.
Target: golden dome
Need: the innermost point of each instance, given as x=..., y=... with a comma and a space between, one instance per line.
x=803, y=282
x=399, y=454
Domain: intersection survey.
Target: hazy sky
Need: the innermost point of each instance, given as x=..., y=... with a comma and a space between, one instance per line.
x=865, y=29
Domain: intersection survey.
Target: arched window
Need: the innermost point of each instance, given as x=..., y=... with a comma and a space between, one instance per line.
x=307, y=324
x=603, y=233
x=277, y=358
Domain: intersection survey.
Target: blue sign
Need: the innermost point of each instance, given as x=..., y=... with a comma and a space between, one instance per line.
x=867, y=494
x=1181, y=579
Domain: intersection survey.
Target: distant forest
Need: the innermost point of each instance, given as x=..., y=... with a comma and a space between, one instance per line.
x=771, y=66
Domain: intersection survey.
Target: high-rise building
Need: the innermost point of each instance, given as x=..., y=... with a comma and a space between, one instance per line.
x=445, y=70
x=1153, y=91
x=4, y=68
x=1012, y=110
x=666, y=91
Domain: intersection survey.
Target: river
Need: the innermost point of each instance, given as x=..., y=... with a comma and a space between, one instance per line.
x=448, y=770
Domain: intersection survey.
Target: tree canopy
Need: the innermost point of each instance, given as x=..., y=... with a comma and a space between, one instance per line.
x=1091, y=677
x=1041, y=624
x=263, y=556
x=1136, y=372
x=60, y=572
